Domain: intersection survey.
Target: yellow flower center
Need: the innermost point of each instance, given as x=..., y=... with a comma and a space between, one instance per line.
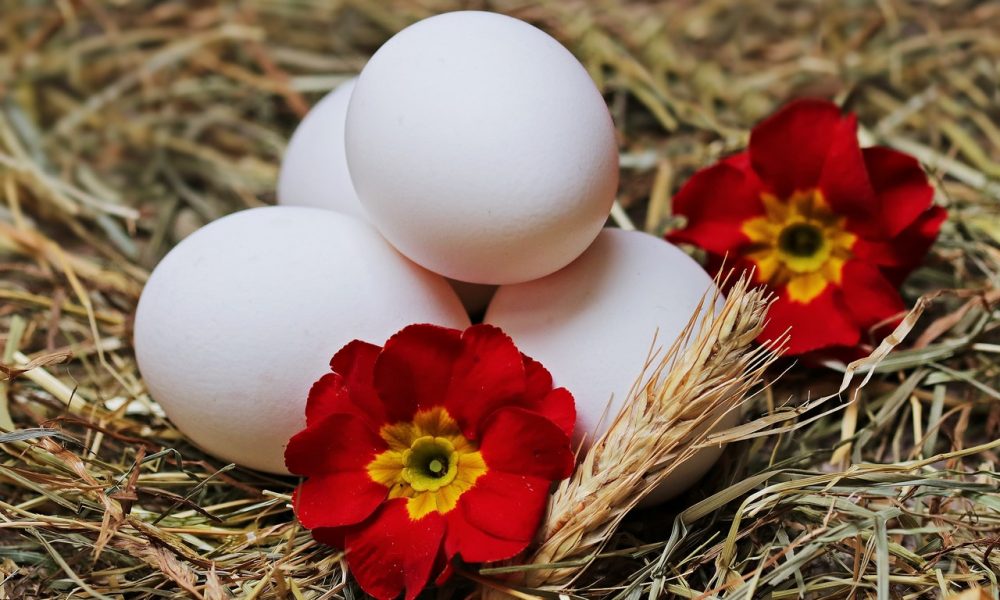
x=429, y=462
x=799, y=243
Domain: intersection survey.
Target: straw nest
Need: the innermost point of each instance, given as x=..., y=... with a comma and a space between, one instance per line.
x=125, y=126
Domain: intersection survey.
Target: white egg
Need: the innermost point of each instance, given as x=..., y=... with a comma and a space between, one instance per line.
x=238, y=321
x=314, y=173
x=592, y=324
x=314, y=168
x=481, y=148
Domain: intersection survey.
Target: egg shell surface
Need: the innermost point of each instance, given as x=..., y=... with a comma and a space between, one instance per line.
x=314, y=168
x=481, y=148
x=314, y=173
x=239, y=319
x=592, y=325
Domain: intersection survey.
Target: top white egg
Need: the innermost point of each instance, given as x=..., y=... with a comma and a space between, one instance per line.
x=314, y=173
x=314, y=168
x=481, y=149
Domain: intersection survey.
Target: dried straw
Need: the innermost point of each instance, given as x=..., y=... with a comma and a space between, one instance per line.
x=124, y=126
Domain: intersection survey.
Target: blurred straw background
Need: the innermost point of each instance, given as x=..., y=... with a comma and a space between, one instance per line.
x=126, y=125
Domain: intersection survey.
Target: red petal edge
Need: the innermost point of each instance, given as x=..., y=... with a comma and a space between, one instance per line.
x=556, y=405
x=497, y=518
x=489, y=374
x=913, y=244
x=391, y=552
x=716, y=202
x=522, y=442
x=844, y=180
x=337, y=499
x=414, y=370
x=329, y=395
x=902, y=188
x=789, y=149
x=822, y=323
x=355, y=362
x=340, y=442
x=333, y=455
x=869, y=296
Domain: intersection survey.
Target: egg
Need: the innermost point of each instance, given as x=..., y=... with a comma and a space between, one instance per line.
x=314, y=168
x=314, y=173
x=481, y=149
x=238, y=320
x=592, y=324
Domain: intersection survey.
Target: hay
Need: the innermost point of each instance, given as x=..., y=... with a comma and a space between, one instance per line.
x=125, y=126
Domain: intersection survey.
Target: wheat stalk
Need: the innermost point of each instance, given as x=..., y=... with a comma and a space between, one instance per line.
x=669, y=414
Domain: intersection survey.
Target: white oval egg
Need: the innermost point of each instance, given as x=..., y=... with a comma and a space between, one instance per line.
x=238, y=320
x=592, y=325
x=481, y=148
x=314, y=173
x=314, y=168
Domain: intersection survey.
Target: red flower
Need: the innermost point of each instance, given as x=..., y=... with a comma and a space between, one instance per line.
x=831, y=227
x=442, y=443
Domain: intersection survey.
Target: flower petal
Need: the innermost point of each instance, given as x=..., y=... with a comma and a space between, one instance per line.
x=740, y=160
x=789, y=148
x=521, y=442
x=900, y=255
x=340, y=442
x=337, y=499
x=355, y=362
x=538, y=380
x=716, y=202
x=331, y=536
x=327, y=396
x=489, y=373
x=504, y=506
x=474, y=544
x=916, y=241
x=844, y=180
x=869, y=296
x=821, y=323
x=331, y=394
x=391, y=552
x=557, y=405
x=414, y=369
x=444, y=569
x=902, y=188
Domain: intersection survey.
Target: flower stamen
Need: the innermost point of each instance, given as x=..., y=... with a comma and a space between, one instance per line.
x=801, y=239
x=429, y=462
x=799, y=243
